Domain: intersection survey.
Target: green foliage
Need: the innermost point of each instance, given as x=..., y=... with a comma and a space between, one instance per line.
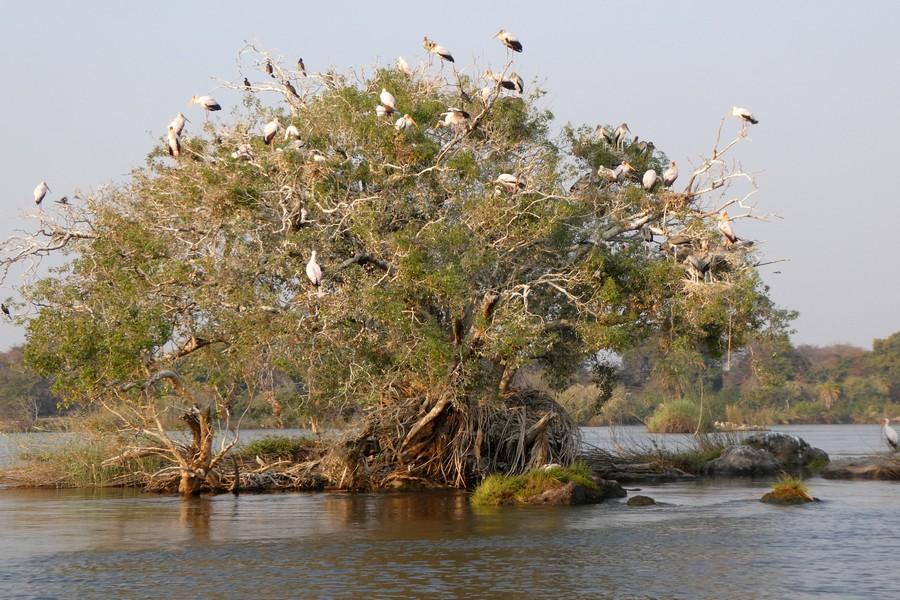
x=679, y=416
x=276, y=446
x=514, y=489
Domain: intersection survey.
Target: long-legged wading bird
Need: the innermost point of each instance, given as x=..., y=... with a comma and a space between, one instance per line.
x=177, y=124
x=437, y=50
x=208, y=103
x=744, y=115
x=619, y=135
x=726, y=230
x=509, y=182
x=173, y=141
x=649, y=179
x=40, y=191
x=509, y=40
x=270, y=130
x=890, y=434
x=387, y=101
x=314, y=271
x=455, y=118
x=670, y=174
x=404, y=122
x=291, y=132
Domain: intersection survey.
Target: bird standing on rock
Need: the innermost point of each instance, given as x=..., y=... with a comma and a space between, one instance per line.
x=890, y=434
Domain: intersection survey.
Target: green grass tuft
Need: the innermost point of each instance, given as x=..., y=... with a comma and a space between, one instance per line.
x=514, y=489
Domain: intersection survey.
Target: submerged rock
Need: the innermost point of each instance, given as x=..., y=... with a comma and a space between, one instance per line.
x=742, y=461
x=641, y=501
x=883, y=467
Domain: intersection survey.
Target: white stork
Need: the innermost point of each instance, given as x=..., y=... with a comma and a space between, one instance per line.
x=649, y=179
x=890, y=435
x=405, y=122
x=314, y=271
x=670, y=174
x=177, y=124
x=437, y=50
x=291, y=132
x=403, y=66
x=387, y=99
x=40, y=191
x=509, y=40
x=726, y=230
x=270, y=130
x=174, y=143
x=208, y=103
x=744, y=115
x=509, y=182
x=455, y=117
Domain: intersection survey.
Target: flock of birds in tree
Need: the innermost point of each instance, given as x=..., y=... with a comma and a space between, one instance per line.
x=454, y=118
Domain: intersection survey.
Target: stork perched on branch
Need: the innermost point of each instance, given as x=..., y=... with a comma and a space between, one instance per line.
x=744, y=115
x=207, y=103
x=177, y=124
x=619, y=135
x=509, y=182
x=509, y=40
x=173, y=141
x=649, y=179
x=726, y=230
x=314, y=271
x=670, y=174
x=40, y=191
x=890, y=434
x=455, y=118
x=270, y=130
x=437, y=50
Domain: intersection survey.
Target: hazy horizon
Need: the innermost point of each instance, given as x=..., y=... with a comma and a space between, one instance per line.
x=91, y=89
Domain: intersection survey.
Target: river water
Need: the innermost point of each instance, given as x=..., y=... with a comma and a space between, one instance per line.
x=709, y=540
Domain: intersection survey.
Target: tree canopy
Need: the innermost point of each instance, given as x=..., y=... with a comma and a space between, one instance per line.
x=440, y=277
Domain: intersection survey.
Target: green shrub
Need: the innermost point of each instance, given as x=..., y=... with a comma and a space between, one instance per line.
x=276, y=446
x=678, y=416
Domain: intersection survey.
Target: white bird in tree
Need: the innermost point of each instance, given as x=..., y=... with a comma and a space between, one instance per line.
x=670, y=174
x=726, y=230
x=622, y=171
x=509, y=182
x=177, y=124
x=619, y=135
x=387, y=99
x=403, y=65
x=405, y=122
x=40, y=191
x=744, y=115
x=314, y=271
x=437, y=50
x=455, y=118
x=208, y=103
x=649, y=179
x=270, y=130
x=890, y=434
x=174, y=143
x=509, y=40
x=291, y=132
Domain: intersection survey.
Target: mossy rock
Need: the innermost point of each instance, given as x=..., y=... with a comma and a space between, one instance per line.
x=641, y=501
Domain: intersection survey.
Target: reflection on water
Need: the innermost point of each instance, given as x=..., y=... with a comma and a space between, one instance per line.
x=711, y=540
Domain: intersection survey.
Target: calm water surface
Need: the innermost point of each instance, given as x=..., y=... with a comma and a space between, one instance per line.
x=710, y=540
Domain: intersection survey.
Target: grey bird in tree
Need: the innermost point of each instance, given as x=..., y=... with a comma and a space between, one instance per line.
x=619, y=135
x=270, y=71
x=246, y=83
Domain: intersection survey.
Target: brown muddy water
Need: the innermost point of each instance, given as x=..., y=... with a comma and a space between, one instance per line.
x=710, y=540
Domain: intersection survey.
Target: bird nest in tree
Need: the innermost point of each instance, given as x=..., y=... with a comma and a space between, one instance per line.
x=444, y=441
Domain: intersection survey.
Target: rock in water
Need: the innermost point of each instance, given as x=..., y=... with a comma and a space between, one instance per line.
x=641, y=501
x=742, y=461
x=790, y=451
x=864, y=467
x=775, y=498
x=568, y=494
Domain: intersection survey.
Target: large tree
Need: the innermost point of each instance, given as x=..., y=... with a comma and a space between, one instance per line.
x=440, y=280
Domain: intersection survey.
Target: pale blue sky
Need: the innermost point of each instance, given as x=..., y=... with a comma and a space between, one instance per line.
x=90, y=86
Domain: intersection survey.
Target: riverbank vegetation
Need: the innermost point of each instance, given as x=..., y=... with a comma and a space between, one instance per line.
x=459, y=242
x=497, y=490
